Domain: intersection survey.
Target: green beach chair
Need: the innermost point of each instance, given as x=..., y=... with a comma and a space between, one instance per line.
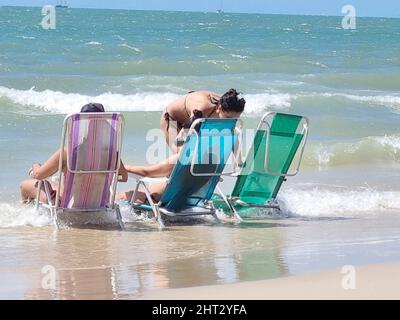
x=278, y=139
x=202, y=159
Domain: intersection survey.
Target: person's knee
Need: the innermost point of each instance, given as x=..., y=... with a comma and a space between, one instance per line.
x=127, y=195
x=24, y=185
x=27, y=188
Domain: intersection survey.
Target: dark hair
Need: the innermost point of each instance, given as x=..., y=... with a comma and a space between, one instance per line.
x=93, y=107
x=232, y=101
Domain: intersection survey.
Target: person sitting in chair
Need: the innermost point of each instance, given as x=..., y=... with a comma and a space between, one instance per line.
x=50, y=167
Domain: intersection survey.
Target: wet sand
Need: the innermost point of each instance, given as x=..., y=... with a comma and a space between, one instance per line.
x=143, y=262
x=375, y=282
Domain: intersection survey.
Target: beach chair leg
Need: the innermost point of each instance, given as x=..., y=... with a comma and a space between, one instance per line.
x=119, y=218
x=214, y=214
x=158, y=215
x=37, y=204
x=229, y=204
x=155, y=207
x=135, y=194
x=55, y=218
x=49, y=205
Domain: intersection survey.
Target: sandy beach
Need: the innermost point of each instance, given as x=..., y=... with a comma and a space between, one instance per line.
x=378, y=282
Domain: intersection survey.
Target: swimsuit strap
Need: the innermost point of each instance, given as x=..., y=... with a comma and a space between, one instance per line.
x=213, y=101
x=185, y=104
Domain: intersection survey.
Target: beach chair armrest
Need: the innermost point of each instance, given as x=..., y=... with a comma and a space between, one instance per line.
x=149, y=180
x=155, y=180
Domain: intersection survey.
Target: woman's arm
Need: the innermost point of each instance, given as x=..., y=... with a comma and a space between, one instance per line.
x=158, y=170
x=50, y=167
x=123, y=173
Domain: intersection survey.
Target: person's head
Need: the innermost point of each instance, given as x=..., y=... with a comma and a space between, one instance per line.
x=93, y=107
x=231, y=105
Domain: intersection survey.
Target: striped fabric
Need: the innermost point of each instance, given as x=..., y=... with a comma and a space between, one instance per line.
x=92, y=145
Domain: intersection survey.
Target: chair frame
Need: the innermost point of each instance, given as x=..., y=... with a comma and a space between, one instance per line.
x=157, y=209
x=271, y=204
x=55, y=208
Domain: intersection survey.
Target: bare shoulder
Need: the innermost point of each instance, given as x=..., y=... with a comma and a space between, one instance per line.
x=203, y=100
x=206, y=94
x=175, y=107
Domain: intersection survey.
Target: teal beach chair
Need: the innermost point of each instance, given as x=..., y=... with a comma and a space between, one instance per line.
x=202, y=159
x=278, y=139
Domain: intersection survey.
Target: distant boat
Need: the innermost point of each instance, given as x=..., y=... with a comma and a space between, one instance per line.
x=221, y=10
x=62, y=4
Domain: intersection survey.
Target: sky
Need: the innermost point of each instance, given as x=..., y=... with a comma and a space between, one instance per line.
x=371, y=8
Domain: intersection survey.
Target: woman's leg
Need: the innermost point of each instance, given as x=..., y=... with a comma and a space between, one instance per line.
x=28, y=191
x=127, y=195
x=156, y=191
x=171, y=130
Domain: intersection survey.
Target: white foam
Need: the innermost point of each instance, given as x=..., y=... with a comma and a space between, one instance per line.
x=393, y=101
x=239, y=56
x=257, y=103
x=381, y=100
x=325, y=202
x=318, y=64
x=366, y=150
x=60, y=102
x=16, y=215
x=323, y=155
x=124, y=45
x=392, y=141
x=26, y=37
x=93, y=43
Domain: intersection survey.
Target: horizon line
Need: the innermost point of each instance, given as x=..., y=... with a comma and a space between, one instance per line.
x=213, y=11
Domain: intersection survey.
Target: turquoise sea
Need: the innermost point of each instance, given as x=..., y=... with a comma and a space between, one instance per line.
x=347, y=82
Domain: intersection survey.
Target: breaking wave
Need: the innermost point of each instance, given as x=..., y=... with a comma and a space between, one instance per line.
x=317, y=201
x=17, y=215
x=384, y=149
x=59, y=102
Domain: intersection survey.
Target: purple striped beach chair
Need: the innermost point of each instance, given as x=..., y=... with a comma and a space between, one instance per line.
x=93, y=143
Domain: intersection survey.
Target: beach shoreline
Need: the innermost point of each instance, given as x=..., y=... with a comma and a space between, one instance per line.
x=371, y=282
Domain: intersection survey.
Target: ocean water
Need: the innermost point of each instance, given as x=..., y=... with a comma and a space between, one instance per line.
x=347, y=82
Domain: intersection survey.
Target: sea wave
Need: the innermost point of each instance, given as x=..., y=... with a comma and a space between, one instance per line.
x=382, y=100
x=60, y=102
x=93, y=43
x=124, y=45
x=257, y=103
x=17, y=215
x=378, y=149
x=325, y=201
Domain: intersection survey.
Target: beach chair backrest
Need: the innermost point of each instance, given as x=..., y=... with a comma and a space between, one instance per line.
x=93, y=144
x=270, y=157
x=202, y=160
